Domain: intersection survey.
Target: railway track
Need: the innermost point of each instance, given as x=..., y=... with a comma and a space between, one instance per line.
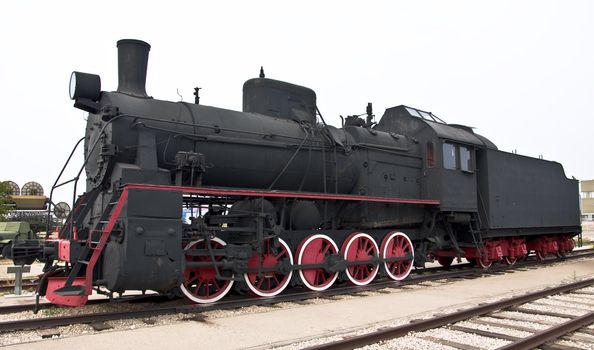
x=31, y=283
x=28, y=284
x=155, y=305
x=493, y=321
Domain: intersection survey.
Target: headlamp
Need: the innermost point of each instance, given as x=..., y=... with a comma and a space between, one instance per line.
x=85, y=85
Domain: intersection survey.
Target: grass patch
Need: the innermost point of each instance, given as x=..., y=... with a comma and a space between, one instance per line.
x=51, y=311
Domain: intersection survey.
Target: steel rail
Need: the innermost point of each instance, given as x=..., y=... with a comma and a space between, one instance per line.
x=424, y=275
x=24, y=286
x=549, y=334
x=48, y=322
x=417, y=276
x=8, y=309
x=435, y=322
x=57, y=321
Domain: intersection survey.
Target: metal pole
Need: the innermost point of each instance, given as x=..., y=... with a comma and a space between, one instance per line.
x=18, y=276
x=18, y=281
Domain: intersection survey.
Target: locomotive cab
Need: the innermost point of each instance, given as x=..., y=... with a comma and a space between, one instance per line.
x=449, y=154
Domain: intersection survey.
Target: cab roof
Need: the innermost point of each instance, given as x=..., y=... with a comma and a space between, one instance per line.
x=396, y=117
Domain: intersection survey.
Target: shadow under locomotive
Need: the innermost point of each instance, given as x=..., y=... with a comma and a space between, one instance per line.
x=275, y=195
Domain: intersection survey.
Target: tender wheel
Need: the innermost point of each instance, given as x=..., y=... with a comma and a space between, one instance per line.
x=398, y=245
x=445, y=261
x=522, y=258
x=540, y=256
x=200, y=283
x=269, y=283
x=360, y=247
x=315, y=249
x=484, y=263
x=509, y=260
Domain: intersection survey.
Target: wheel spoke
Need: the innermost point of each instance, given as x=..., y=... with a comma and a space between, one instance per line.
x=321, y=277
x=276, y=279
x=359, y=272
x=281, y=254
x=397, y=243
x=326, y=249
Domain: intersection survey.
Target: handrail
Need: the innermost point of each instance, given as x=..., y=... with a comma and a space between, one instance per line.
x=77, y=177
x=49, y=207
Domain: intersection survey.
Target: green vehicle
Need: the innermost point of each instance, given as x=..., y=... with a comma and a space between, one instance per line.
x=10, y=230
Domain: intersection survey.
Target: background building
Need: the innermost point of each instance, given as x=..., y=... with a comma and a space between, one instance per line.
x=587, y=195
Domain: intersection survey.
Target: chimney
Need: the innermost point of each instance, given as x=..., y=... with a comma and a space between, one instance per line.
x=132, y=63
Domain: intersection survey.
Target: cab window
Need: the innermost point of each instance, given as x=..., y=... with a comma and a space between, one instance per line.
x=465, y=159
x=430, y=155
x=457, y=157
x=449, y=156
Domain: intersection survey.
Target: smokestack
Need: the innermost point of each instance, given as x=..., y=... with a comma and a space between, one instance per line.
x=132, y=63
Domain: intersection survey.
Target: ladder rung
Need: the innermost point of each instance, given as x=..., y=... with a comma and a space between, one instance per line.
x=84, y=262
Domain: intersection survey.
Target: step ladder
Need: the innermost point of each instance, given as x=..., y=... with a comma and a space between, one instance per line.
x=91, y=251
x=475, y=231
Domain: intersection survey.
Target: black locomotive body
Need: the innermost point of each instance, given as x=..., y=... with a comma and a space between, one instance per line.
x=277, y=197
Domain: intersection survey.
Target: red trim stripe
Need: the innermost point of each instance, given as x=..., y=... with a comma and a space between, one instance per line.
x=115, y=214
x=282, y=194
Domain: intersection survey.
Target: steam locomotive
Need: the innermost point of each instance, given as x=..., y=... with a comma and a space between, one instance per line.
x=274, y=196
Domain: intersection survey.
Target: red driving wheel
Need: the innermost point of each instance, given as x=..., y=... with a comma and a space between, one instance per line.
x=315, y=249
x=360, y=247
x=200, y=283
x=270, y=282
x=398, y=245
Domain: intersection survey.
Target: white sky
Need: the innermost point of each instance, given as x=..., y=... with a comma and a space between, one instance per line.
x=521, y=72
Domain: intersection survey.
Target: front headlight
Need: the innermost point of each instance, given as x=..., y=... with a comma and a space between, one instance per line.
x=84, y=85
